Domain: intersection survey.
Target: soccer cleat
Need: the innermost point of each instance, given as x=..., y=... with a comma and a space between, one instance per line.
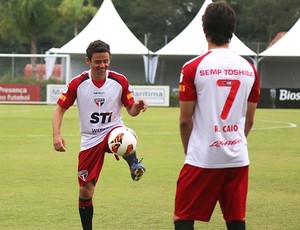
x=137, y=170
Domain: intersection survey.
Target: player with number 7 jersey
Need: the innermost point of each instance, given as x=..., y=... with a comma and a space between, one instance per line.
x=221, y=91
x=218, y=96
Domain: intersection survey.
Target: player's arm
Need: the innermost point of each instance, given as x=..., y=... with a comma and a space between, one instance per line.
x=58, y=141
x=186, y=121
x=250, y=117
x=252, y=103
x=137, y=107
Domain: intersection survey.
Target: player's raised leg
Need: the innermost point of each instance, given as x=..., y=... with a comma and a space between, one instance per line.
x=122, y=141
x=136, y=168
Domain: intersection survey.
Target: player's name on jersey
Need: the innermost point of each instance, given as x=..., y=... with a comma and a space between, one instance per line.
x=226, y=128
x=226, y=72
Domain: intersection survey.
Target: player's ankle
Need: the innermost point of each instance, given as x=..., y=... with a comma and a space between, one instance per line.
x=131, y=158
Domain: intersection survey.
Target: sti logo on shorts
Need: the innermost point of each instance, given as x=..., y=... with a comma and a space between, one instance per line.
x=99, y=101
x=83, y=174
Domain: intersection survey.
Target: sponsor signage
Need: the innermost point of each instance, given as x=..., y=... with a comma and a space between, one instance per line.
x=287, y=98
x=19, y=93
x=154, y=95
x=53, y=93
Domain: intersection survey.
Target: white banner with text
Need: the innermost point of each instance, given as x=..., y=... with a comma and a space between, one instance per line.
x=154, y=95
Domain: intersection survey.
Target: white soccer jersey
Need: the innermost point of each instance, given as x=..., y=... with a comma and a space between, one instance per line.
x=221, y=83
x=99, y=107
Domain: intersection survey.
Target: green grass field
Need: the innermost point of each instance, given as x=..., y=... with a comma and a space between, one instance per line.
x=38, y=186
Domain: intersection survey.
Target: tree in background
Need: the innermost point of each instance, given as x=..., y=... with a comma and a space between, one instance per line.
x=260, y=21
x=162, y=20
x=53, y=23
x=158, y=20
x=76, y=11
x=27, y=21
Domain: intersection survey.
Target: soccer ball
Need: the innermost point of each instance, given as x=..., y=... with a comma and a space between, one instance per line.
x=122, y=141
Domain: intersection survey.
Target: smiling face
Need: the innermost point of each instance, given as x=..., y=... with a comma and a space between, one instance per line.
x=99, y=64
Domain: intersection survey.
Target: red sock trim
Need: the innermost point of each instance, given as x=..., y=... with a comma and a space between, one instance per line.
x=85, y=202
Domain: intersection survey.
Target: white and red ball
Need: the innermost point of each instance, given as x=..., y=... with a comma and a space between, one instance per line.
x=122, y=141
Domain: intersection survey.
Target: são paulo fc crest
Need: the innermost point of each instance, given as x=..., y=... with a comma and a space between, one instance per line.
x=99, y=101
x=83, y=174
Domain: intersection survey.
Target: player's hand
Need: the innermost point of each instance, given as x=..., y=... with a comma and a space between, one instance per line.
x=59, y=143
x=141, y=105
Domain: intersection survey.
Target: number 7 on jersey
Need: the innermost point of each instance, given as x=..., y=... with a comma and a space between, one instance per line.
x=234, y=87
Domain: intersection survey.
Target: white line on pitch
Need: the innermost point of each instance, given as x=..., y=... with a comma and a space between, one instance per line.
x=287, y=125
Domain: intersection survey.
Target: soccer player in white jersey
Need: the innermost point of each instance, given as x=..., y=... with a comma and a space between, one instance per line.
x=218, y=94
x=100, y=94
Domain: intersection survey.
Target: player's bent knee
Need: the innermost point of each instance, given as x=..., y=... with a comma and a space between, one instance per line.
x=87, y=191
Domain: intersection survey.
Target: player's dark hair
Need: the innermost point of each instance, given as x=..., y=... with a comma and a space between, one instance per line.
x=219, y=22
x=97, y=46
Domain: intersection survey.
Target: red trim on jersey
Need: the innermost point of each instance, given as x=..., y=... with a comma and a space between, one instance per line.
x=187, y=90
x=68, y=98
x=254, y=95
x=99, y=83
x=127, y=98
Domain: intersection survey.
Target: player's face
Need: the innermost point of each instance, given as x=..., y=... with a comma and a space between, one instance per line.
x=99, y=64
